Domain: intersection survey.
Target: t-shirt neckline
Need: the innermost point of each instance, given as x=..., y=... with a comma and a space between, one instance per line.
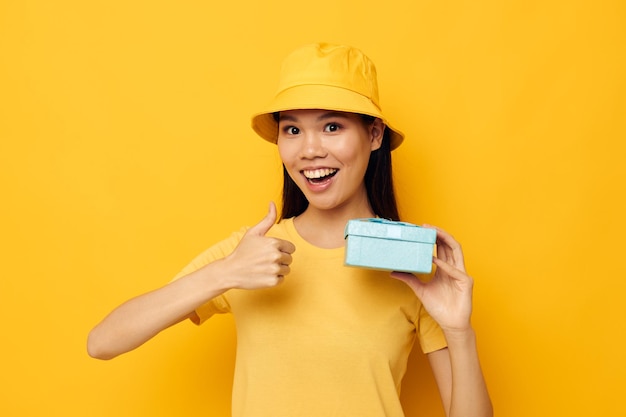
x=299, y=241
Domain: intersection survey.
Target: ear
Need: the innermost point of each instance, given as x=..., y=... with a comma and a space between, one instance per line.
x=377, y=130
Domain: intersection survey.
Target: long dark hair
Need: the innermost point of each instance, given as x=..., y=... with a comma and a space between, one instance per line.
x=378, y=183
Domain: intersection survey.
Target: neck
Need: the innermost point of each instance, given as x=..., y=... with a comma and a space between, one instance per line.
x=325, y=228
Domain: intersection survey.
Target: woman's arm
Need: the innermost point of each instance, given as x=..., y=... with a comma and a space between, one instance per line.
x=141, y=318
x=460, y=380
x=448, y=300
x=257, y=262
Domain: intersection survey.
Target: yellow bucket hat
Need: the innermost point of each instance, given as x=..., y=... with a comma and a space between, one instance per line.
x=327, y=77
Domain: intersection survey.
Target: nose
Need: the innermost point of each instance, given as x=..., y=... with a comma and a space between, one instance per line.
x=312, y=146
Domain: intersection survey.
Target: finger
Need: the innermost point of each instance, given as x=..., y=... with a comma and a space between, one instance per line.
x=262, y=227
x=451, y=270
x=285, y=259
x=402, y=276
x=411, y=280
x=284, y=271
x=406, y=277
x=448, y=249
x=286, y=246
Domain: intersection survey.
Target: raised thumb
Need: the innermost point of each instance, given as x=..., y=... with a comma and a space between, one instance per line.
x=262, y=227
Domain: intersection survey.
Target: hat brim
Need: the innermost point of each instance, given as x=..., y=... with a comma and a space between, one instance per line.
x=318, y=97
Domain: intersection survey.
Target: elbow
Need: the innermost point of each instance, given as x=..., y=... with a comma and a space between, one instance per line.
x=490, y=410
x=96, y=348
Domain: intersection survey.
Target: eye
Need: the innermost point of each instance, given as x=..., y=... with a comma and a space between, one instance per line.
x=291, y=130
x=331, y=127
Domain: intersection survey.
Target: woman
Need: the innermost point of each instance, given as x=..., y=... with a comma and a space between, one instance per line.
x=316, y=338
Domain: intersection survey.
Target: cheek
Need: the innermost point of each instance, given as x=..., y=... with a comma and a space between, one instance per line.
x=356, y=155
x=286, y=153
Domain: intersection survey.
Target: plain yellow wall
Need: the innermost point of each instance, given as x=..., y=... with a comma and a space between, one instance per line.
x=125, y=149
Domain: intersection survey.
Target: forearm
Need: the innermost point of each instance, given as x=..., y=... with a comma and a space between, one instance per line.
x=469, y=396
x=141, y=318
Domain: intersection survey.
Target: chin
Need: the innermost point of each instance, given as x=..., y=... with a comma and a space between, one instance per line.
x=325, y=205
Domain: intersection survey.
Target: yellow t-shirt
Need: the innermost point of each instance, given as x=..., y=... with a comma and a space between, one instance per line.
x=329, y=341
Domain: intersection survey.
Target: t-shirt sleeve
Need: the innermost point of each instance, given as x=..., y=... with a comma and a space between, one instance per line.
x=429, y=333
x=218, y=251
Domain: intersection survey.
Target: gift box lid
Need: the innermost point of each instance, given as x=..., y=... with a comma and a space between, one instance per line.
x=388, y=229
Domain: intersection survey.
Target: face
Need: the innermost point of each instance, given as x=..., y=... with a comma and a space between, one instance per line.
x=326, y=153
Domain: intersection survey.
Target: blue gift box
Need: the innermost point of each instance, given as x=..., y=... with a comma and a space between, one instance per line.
x=389, y=245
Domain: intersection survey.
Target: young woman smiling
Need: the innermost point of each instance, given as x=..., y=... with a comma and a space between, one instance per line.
x=314, y=337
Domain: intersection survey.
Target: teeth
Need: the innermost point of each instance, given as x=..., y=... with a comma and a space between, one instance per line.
x=318, y=173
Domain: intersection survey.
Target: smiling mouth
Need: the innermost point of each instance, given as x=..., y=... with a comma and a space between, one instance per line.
x=318, y=176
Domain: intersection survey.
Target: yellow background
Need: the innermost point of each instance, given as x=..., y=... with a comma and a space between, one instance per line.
x=125, y=149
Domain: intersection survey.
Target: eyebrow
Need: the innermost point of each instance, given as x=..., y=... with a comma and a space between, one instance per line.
x=327, y=115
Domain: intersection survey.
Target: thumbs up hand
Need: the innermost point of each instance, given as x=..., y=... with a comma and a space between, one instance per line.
x=259, y=261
